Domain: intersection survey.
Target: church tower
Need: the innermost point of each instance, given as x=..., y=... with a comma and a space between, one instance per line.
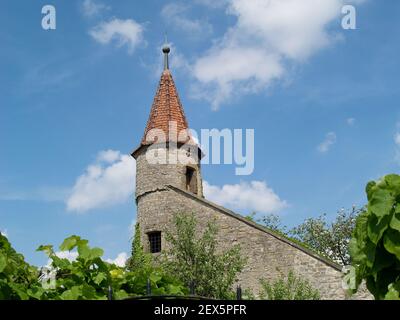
x=167, y=156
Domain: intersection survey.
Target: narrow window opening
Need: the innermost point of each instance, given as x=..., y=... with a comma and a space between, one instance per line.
x=191, y=180
x=155, y=241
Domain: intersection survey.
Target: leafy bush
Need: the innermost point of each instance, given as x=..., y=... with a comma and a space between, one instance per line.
x=87, y=277
x=16, y=276
x=288, y=288
x=193, y=258
x=375, y=246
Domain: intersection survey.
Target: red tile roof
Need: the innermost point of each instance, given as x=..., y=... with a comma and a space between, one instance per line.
x=166, y=113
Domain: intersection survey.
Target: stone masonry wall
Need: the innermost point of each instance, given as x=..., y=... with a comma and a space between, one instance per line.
x=150, y=177
x=268, y=256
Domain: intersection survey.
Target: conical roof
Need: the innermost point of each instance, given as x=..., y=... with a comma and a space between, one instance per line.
x=167, y=122
x=166, y=113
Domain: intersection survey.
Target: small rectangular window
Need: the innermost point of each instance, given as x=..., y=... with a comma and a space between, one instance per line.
x=191, y=180
x=155, y=241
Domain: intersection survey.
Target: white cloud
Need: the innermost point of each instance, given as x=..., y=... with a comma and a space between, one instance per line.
x=254, y=196
x=222, y=71
x=92, y=8
x=69, y=255
x=176, y=15
x=125, y=32
x=108, y=156
x=330, y=139
x=120, y=260
x=110, y=180
x=350, y=121
x=268, y=37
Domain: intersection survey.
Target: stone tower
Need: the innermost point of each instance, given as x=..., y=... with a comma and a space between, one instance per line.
x=167, y=156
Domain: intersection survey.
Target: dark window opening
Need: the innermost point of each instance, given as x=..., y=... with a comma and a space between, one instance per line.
x=191, y=180
x=155, y=241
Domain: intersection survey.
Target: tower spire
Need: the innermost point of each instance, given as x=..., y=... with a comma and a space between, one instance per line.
x=166, y=50
x=166, y=113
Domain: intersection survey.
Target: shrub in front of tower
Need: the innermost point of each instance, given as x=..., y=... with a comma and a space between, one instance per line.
x=290, y=287
x=86, y=277
x=90, y=277
x=193, y=257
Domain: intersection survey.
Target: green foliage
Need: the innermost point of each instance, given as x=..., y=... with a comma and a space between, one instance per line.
x=16, y=276
x=139, y=259
x=88, y=277
x=250, y=217
x=375, y=246
x=193, y=257
x=330, y=240
x=273, y=222
x=288, y=288
x=248, y=294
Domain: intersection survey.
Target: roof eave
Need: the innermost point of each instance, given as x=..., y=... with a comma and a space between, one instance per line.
x=136, y=151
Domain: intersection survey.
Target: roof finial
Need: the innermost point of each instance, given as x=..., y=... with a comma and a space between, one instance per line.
x=166, y=49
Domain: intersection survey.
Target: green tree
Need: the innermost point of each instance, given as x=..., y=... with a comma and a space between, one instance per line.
x=291, y=287
x=329, y=239
x=193, y=257
x=273, y=222
x=375, y=246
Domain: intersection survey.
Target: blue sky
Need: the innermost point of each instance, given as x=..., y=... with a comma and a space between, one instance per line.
x=323, y=102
